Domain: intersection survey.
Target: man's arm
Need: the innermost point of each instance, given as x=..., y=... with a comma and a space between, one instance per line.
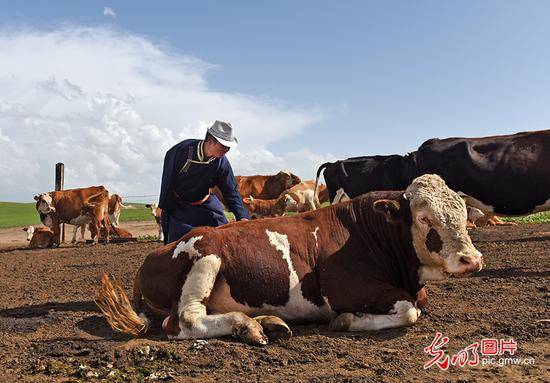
x=166, y=198
x=230, y=191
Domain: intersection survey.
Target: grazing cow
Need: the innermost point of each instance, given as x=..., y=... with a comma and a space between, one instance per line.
x=516, y=165
x=115, y=204
x=40, y=237
x=304, y=195
x=262, y=208
x=157, y=213
x=359, y=265
x=77, y=207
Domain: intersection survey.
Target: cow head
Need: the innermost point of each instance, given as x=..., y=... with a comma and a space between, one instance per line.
x=44, y=203
x=438, y=228
x=30, y=232
x=289, y=179
x=153, y=207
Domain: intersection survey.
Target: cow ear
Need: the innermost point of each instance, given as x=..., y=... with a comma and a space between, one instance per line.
x=390, y=208
x=36, y=197
x=247, y=200
x=25, y=228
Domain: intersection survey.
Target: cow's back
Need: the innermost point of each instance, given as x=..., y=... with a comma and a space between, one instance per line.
x=508, y=172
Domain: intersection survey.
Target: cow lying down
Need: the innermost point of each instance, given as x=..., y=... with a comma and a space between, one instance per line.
x=39, y=237
x=358, y=265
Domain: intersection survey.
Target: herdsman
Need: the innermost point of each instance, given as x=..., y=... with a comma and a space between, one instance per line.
x=191, y=168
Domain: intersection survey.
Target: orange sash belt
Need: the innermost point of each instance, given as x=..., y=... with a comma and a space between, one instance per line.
x=201, y=201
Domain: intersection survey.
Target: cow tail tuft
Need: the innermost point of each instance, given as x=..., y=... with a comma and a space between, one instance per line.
x=115, y=306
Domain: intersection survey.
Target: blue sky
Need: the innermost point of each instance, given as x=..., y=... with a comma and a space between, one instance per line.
x=378, y=77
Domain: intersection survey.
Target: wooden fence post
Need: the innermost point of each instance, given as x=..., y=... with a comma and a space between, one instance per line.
x=59, y=181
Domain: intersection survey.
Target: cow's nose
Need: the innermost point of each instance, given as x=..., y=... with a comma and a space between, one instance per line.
x=472, y=263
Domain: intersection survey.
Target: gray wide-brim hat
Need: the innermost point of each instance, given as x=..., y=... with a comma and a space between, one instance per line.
x=223, y=133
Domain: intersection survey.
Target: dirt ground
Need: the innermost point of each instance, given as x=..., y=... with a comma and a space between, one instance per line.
x=51, y=330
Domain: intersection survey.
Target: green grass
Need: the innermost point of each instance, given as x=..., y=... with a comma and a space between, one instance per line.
x=543, y=217
x=14, y=214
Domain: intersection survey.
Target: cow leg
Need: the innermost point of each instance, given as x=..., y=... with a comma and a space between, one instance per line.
x=107, y=226
x=82, y=231
x=160, y=233
x=274, y=327
x=404, y=313
x=75, y=230
x=194, y=322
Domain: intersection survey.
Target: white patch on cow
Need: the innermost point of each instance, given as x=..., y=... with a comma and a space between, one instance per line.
x=471, y=201
x=188, y=247
x=403, y=314
x=314, y=232
x=30, y=232
x=45, y=203
x=297, y=306
x=544, y=207
x=194, y=321
x=427, y=273
x=340, y=196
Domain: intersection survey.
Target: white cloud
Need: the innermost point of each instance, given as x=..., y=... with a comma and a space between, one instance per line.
x=109, y=104
x=108, y=11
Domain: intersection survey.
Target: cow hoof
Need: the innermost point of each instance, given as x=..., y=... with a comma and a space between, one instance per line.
x=342, y=322
x=274, y=327
x=55, y=245
x=250, y=332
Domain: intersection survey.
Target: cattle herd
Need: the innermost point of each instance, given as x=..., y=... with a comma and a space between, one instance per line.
x=394, y=223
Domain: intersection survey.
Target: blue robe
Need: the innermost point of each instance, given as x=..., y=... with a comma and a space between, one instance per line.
x=185, y=182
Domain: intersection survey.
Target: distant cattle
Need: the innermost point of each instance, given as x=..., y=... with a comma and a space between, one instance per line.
x=360, y=265
x=266, y=187
x=501, y=175
x=77, y=207
x=304, y=195
x=39, y=237
x=262, y=208
x=157, y=213
x=115, y=205
x=476, y=218
x=116, y=232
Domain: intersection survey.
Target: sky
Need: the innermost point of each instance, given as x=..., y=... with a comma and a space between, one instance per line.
x=108, y=87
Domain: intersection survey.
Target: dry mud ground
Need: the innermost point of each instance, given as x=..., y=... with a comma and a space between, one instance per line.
x=51, y=331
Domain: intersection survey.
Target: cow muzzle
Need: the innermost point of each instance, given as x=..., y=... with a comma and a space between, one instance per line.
x=469, y=264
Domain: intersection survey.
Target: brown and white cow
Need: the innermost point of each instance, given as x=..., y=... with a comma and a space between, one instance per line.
x=477, y=218
x=117, y=232
x=266, y=186
x=262, y=208
x=39, y=237
x=358, y=265
x=115, y=205
x=304, y=195
x=157, y=213
x=77, y=207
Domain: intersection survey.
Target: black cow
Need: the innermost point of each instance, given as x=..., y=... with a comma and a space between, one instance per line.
x=359, y=175
x=505, y=175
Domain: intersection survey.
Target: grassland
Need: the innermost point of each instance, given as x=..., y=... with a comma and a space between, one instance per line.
x=14, y=214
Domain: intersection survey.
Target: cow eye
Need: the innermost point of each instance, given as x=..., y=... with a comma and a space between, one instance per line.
x=425, y=220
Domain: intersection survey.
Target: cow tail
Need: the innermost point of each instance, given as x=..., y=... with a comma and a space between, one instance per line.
x=316, y=192
x=116, y=308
